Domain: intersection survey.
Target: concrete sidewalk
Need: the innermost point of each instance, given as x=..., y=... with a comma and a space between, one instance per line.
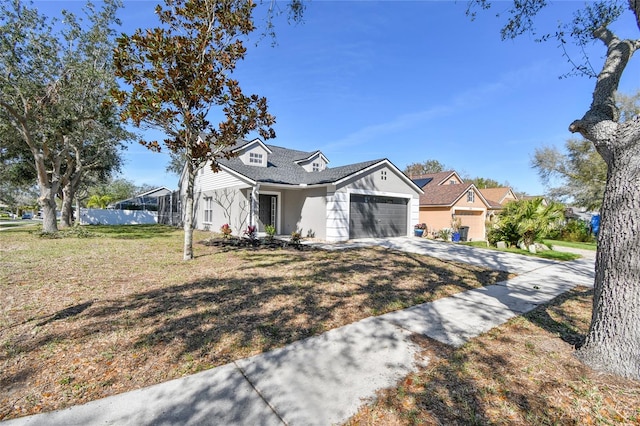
x=323, y=380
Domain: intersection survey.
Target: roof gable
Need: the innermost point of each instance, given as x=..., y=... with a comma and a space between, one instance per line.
x=376, y=163
x=448, y=195
x=243, y=147
x=312, y=157
x=498, y=196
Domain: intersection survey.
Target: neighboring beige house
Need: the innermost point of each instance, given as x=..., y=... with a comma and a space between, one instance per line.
x=447, y=198
x=297, y=191
x=497, y=198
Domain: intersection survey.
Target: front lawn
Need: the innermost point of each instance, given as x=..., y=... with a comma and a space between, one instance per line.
x=583, y=246
x=110, y=309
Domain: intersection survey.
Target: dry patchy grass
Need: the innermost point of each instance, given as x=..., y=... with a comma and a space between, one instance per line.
x=84, y=318
x=521, y=373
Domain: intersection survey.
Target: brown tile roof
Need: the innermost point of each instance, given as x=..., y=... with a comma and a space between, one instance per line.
x=494, y=196
x=443, y=195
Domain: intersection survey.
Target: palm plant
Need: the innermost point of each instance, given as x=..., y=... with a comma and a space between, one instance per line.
x=99, y=201
x=527, y=221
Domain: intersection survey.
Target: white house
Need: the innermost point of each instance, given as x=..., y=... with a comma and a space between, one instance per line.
x=297, y=191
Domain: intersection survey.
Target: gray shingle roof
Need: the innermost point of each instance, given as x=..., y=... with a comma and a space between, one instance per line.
x=282, y=169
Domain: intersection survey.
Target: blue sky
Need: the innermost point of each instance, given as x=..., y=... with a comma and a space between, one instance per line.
x=407, y=81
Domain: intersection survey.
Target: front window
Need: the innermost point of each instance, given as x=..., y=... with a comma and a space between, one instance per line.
x=208, y=210
x=255, y=157
x=471, y=196
x=383, y=175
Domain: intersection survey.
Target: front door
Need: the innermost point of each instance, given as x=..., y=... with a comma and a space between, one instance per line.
x=267, y=211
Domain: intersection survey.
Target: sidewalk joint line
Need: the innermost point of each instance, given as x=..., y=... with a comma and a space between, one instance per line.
x=260, y=394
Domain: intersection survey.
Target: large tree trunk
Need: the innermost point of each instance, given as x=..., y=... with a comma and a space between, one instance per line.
x=47, y=201
x=66, y=209
x=69, y=189
x=48, y=190
x=188, y=211
x=613, y=342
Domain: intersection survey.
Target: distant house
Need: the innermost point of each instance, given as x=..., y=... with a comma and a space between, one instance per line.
x=579, y=213
x=297, y=191
x=447, y=198
x=144, y=201
x=497, y=198
x=533, y=197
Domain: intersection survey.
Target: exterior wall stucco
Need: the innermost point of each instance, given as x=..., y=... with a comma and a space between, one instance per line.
x=229, y=205
x=471, y=214
x=453, y=178
x=304, y=210
x=436, y=218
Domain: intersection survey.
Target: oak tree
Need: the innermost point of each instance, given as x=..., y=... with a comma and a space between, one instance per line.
x=177, y=78
x=428, y=166
x=54, y=78
x=577, y=176
x=613, y=341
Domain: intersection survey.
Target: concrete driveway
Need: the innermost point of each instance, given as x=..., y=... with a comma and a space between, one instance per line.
x=492, y=259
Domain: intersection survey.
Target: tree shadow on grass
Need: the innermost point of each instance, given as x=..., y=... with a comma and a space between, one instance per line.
x=210, y=321
x=470, y=384
x=69, y=312
x=566, y=327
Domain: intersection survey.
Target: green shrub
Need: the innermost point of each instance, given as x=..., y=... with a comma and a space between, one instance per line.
x=444, y=233
x=527, y=221
x=271, y=232
x=506, y=231
x=296, y=236
x=575, y=230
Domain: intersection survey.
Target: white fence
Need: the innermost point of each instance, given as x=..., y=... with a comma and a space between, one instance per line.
x=117, y=217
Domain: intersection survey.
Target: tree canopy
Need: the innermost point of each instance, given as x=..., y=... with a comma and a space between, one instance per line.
x=426, y=167
x=579, y=174
x=177, y=78
x=55, y=79
x=484, y=183
x=581, y=171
